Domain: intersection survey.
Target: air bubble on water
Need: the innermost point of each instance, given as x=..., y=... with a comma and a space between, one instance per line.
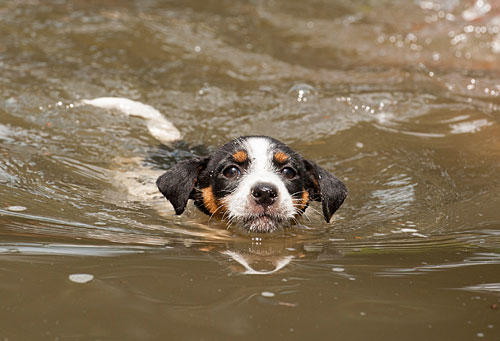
x=302, y=91
x=81, y=278
x=267, y=294
x=16, y=208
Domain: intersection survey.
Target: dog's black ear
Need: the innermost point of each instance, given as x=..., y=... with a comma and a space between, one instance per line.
x=325, y=187
x=177, y=184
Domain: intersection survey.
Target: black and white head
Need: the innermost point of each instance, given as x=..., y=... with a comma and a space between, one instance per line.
x=257, y=182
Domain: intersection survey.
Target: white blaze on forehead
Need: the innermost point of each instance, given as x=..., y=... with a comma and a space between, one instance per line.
x=261, y=169
x=259, y=153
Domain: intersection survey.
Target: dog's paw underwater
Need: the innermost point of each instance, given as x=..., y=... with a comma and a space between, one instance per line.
x=254, y=182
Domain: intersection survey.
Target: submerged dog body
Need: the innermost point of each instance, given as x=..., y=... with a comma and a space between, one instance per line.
x=256, y=182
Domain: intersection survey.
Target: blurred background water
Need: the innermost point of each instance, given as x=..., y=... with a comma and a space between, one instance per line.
x=400, y=99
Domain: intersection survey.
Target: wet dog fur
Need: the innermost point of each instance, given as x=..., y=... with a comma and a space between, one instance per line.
x=255, y=182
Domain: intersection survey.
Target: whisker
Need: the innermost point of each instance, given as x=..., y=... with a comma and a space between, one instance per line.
x=212, y=215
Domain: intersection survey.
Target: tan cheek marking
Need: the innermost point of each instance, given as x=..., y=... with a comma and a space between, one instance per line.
x=240, y=156
x=305, y=197
x=305, y=200
x=209, y=199
x=281, y=157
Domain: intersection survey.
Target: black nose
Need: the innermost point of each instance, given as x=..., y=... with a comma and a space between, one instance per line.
x=264, y=193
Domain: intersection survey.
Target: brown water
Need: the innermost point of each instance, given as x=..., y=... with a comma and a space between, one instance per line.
x=400, y=99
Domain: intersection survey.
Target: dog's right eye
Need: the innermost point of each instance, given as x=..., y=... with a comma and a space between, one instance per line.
x=231, y=172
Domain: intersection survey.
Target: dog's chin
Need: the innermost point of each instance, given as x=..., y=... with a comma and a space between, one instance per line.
x=263, y=223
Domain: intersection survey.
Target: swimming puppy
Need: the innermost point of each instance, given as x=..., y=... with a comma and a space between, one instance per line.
x=257, y=182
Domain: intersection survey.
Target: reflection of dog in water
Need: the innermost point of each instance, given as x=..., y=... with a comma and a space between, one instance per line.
x=256, y=182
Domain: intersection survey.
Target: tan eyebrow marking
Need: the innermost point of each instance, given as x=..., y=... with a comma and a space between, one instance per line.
x=281, y=157
x=240, y=156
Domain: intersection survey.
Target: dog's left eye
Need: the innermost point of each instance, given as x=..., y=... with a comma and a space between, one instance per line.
x=288, y=172
x=231, y=172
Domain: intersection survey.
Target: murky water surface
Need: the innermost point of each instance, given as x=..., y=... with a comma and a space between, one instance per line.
x=400, y=99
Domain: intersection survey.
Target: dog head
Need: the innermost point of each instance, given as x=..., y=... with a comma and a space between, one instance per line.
x=255, y=181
